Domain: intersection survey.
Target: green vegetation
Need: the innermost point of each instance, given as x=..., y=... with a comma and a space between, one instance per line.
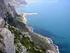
x=25, y=41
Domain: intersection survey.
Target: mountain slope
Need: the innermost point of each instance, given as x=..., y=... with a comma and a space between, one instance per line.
x=17, y=37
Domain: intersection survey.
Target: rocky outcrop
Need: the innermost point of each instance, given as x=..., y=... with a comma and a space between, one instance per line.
x=7, y=40
x=6, y=37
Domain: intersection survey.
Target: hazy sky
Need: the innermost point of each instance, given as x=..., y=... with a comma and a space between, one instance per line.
x=47, y=1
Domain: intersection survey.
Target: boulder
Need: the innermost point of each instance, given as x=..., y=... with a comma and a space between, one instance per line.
x=7, y=41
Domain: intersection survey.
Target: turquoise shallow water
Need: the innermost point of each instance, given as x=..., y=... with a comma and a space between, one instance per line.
x=53, y=20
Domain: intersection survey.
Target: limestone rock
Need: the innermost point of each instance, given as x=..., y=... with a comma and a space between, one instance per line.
x=2, y=22
x=7, y=40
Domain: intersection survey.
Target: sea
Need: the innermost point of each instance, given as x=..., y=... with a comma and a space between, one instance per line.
x=52, y=20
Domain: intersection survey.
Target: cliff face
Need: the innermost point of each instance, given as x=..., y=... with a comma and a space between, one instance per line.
x=6, y=37
x=17, y=37
x=8, y=40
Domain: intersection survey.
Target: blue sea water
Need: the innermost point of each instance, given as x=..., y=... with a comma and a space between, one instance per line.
x=53, y=20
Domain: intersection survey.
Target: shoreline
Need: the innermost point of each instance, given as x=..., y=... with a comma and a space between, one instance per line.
x=34, y=35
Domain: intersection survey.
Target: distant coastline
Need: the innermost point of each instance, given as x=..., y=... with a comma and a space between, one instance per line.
x=41, y=35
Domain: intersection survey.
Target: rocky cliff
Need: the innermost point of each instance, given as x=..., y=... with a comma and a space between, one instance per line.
x=17, y=37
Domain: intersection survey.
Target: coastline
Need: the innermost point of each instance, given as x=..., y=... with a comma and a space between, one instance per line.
x=34, y=35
